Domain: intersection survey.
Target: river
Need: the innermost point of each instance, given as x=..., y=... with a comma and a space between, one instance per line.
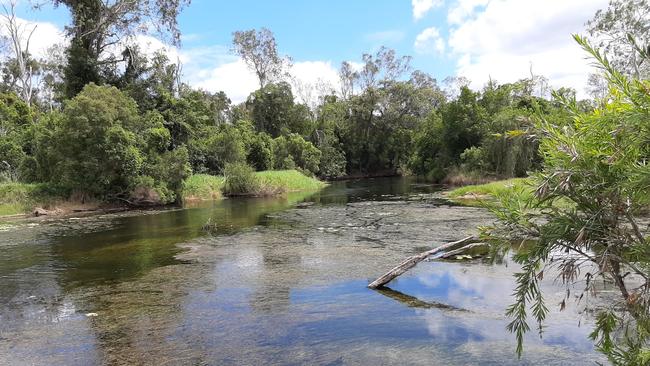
x=273, y=281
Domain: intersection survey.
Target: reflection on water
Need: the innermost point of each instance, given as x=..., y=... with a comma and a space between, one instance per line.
x=273, y=286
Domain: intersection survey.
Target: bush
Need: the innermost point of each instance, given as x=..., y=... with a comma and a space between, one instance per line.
x=473, y=159
x=293, y=151
x=146, y=190
x=226, y=147
x=240, y=179
x=260, y=152
x=332, y=162
x=590, y=193
x=96, y=145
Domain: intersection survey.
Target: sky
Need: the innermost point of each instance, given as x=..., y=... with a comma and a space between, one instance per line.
x=502, y=40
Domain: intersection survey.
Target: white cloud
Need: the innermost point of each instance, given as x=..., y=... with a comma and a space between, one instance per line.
x=312, y=80
x=503, y=39
x=463, y=9
x=234, y=78
x=422, y=7
x=429, y=41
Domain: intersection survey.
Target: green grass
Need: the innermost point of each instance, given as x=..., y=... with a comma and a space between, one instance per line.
x=270, y=182
x=474, y=195
x=288, y=181
x=202, y=187
x=20, y=198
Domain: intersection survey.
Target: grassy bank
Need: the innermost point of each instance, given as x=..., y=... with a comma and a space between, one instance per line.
x=202, y=187
x=271, y=182
x=21, y=198
x=287, y=181
x=475, y=195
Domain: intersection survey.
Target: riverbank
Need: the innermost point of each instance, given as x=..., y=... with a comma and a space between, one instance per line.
x=21, y=199
x=479, y=194
x=18, y=199
x=203, y=187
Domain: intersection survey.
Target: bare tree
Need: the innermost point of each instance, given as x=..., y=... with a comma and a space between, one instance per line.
x=311, y=93
x=384, y=66
x=453, y=84
x=597, y=87
x=19, y=36
x=259, y=51
x=348, y=77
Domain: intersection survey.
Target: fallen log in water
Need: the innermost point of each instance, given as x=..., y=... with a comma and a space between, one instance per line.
x=463, y=250
x=412, y=261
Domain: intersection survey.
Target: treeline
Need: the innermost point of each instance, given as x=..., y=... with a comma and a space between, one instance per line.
x=125, y=126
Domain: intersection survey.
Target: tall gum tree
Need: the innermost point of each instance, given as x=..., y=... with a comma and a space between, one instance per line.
x=98, y=25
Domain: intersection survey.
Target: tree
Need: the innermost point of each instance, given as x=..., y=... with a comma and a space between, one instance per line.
x=582, y=221
x=623, y=33
x=348, y=77
x=20, y=36
x=273, y=110
x=16, y=123
x=98, y=144
x=292, y=151
x=259, y=51
x=384, y=66
x=99, y=24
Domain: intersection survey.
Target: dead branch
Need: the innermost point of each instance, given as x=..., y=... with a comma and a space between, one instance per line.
x=412, y=261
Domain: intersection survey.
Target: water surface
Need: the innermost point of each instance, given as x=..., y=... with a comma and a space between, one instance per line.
x=271, y=284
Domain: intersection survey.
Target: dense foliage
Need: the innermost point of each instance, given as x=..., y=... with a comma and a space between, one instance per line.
x=110, y=122
x=582, y=223
x=125, y=128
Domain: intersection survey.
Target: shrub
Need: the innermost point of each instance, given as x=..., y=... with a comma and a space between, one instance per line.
x=294, y=149
x=240, y=179
x=583, y=220
x=260, y=153
x=96, y=146
x=332, y=162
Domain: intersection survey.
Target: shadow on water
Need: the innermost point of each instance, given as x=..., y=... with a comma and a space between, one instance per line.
x=414, y=302
x=267, y=285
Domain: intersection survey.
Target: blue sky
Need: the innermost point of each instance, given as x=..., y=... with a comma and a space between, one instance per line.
x=478, y=39
x=334, y=30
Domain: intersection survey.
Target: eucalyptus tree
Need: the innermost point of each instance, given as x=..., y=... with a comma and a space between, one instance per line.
x=24, y=67
x=259, y=51
x=622, y=31
x=100, y=26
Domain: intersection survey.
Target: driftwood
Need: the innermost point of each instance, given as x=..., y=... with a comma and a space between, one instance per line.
x=412, y=261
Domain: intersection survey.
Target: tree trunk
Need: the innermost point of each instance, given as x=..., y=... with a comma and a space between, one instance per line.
x=412, y=261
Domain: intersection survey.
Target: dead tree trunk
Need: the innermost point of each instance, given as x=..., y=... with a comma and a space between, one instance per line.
x=412, y=261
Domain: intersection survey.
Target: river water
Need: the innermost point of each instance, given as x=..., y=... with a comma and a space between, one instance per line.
x=273, y=281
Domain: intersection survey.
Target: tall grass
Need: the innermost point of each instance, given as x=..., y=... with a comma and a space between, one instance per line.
x=288, y=181
x=238, y=182
x=202, y=187
x=19, y=198
x=474, y=195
